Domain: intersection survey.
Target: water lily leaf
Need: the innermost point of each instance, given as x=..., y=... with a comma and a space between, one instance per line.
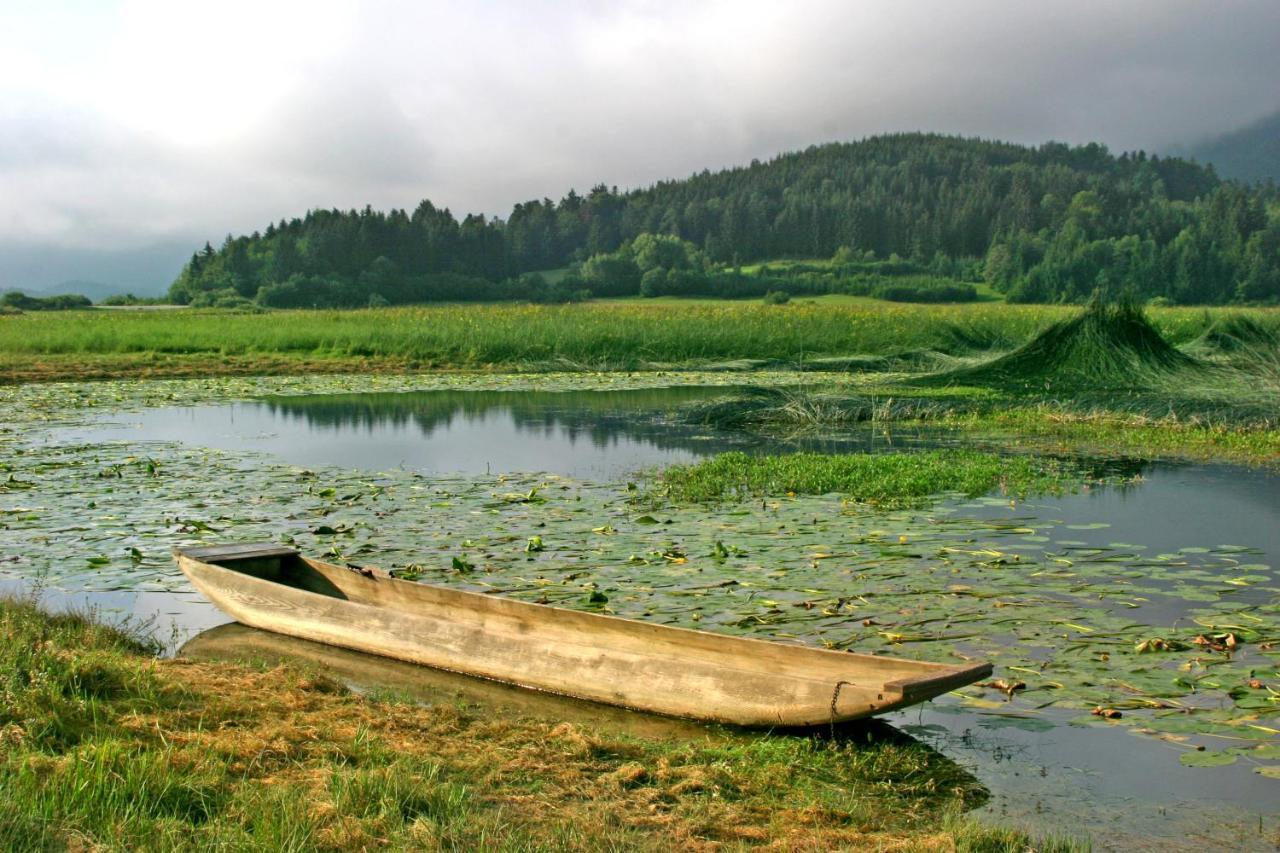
x=1207, y=758
x=1014, y=721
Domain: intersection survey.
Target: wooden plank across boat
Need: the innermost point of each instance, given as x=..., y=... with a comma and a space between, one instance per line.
x=608, y=659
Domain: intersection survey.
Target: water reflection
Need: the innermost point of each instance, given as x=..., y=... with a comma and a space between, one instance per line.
x=596, y=435
x=1055, y=777
x=168, y=616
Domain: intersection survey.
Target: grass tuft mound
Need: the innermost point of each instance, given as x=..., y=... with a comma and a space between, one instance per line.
x=1106, y=346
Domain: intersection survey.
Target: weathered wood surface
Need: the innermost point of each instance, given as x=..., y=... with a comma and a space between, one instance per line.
x=656, y=668
x=237, y=643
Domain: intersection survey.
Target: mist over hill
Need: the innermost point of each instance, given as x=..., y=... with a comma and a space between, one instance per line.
x=1251, y=153
x=96, y=273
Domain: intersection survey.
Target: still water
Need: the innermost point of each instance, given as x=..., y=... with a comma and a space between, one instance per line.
x=590, y=435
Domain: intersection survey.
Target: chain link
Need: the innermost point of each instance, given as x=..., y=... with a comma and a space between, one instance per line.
x=835, y=697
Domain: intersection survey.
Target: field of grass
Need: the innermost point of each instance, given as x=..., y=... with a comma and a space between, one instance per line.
x=837, y=299
x=105, y=747
x=603, y=335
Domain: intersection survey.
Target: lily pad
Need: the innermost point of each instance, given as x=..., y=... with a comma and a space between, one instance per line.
x=1207, y=759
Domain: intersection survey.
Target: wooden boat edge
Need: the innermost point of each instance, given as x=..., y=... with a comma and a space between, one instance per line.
x=939, y=678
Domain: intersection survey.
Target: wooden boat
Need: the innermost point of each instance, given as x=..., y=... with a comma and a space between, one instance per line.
x=608, y=659
x=366, y=673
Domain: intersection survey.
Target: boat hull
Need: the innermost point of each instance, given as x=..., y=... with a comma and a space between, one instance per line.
x=621, y=662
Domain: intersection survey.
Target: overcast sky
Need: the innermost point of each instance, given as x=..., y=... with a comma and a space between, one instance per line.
x=132, y=131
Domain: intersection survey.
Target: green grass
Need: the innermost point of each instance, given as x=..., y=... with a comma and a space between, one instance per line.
x=1103, y=347
x=670, y=302
x=895, y=479
x=1106, y=379
x=1061, y=428
x=105, y=747
x=1238, y=333
x=639, y=335
x=1150, y=425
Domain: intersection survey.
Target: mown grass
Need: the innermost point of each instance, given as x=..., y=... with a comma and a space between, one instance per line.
x=898, y=479
x=106, y=747
x=592, y=335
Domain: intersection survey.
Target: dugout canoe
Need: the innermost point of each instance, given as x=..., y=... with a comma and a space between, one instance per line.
x=637, y=665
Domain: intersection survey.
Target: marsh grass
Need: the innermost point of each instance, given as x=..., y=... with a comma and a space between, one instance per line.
x=890, y=480
x=1248, y=344
x=595, y=336
x=806, y=410
x=1242, y=425
x=174, y=755
x=1106, y=377
x=1233, y=333
x=1105, y=346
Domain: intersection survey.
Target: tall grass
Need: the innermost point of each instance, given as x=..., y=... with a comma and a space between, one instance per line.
x=594, y=335
x=1105, y=346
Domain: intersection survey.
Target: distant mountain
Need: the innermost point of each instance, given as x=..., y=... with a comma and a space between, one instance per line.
x=95, y=290
x=46, y=270
x=1049, y=223
x=1251, y=153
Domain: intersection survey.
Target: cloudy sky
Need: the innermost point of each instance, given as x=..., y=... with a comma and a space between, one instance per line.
x=133, y=131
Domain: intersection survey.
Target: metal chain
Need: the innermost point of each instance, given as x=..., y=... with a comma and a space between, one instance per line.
x=835, y=697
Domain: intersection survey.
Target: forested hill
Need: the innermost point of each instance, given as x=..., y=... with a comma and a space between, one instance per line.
x=1078, y=215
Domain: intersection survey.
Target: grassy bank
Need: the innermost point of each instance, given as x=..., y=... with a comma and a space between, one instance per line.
x=106, y=747
x=593, y=335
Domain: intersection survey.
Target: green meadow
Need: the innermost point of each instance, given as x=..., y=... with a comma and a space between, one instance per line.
x=622, y=335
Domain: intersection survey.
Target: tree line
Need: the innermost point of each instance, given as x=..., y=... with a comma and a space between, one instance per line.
x=1046, y=223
